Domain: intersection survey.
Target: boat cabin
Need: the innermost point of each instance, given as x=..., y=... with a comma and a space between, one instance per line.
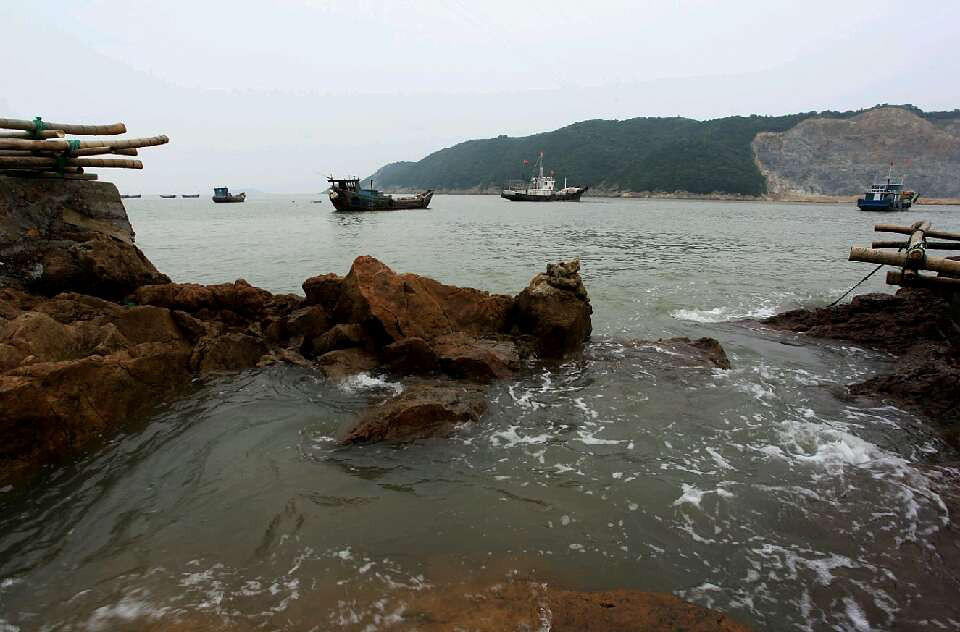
x=883, y=191
x=221, y=191
x=347, y=184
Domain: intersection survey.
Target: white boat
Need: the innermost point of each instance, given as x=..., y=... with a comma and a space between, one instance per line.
x=542, y=189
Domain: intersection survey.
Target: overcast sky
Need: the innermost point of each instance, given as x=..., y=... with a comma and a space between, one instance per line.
x=274, y=96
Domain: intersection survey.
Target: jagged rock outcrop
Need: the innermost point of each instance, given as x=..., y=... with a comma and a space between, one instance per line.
x=68, y=235
x=73, y=365
x=555, y=310
x=843, y=156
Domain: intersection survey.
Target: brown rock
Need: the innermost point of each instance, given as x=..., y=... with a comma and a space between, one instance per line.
x=706, y=352
x=338, y=337
x=323, y=290
x=423, y=410
x=882, y=321
x=397, y=306
x=343, y=362
x=527, y=605
x=229, y=352
x=310, y=322
x=234, y=303
x=48, y=410
x=66, y=235
x=633, y=610
x=410, y=355
x=555, y=310
x=461, y=355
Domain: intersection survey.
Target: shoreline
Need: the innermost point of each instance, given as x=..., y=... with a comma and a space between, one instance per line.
x=715, y=197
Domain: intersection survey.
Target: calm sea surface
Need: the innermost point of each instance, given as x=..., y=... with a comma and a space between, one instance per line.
x=757, y=490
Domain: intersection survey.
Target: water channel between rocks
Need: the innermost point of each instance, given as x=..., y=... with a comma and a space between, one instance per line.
x=757, y=491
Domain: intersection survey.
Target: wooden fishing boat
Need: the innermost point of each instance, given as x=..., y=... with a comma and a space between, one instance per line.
x=222, y=194
x=130, y=197
x=193, y=195
x=346, y=194
x=167, y=197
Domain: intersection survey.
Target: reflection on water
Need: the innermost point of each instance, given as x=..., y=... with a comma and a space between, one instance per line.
x=757, y=490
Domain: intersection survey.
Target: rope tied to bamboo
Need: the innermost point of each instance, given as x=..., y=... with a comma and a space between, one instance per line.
x=73, y=145
x=38, y=127
x=855, y=286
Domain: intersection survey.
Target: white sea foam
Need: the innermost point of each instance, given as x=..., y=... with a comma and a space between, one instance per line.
x=365, y=381
x=510, y=437
x=130, y=607
x=721, y=314
x=690, y=495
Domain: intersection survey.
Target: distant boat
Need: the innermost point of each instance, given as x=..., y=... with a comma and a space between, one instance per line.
x=222, y=194
x=192, y=195
x=347, y=195
x=168, y=196
x=887, y=196
x=126, y=197
x=542, y=189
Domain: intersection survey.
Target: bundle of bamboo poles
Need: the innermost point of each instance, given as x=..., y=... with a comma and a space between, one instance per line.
x=911, y=256
x=40, y=149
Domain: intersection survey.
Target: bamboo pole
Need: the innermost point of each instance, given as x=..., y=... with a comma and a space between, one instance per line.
x=917, y=246
x=80, y=130
x=895, y=277
x=908, y=230
x=59, y=145
x=16, y=173
x=86, y=151
x=52, y=145
x=904, y=244
x=869, y=255
x=41, y=161
x=47, y=133
x=97, y=151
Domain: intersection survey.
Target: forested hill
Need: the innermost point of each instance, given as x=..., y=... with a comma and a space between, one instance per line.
x=640, y=154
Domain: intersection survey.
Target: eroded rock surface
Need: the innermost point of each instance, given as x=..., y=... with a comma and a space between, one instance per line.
x=67, y=235
x=702, y=352
x=555, y=310
x=422, y=410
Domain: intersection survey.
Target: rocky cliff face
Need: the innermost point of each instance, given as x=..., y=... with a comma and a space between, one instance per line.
x=842, y=156
x=69, y=235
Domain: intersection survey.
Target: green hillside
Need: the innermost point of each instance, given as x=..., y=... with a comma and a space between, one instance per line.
x=640, y=154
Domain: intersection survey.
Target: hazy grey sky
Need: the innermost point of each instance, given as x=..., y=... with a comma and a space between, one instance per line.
x=273, y=96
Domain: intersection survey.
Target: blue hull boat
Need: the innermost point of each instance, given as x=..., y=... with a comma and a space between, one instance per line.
x=887, y=196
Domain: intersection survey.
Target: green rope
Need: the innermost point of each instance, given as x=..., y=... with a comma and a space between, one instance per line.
x=38, y=127
x=73, y=145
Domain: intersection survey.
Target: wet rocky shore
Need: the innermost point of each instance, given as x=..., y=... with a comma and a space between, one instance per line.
x=919, y=327
x=93, y=336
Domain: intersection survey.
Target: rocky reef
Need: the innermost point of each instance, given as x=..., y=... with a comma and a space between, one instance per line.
x=91, y=335
x=920, y=327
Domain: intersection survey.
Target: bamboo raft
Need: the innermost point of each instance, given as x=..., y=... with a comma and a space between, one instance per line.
x=911, y=256
x=40, y=149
